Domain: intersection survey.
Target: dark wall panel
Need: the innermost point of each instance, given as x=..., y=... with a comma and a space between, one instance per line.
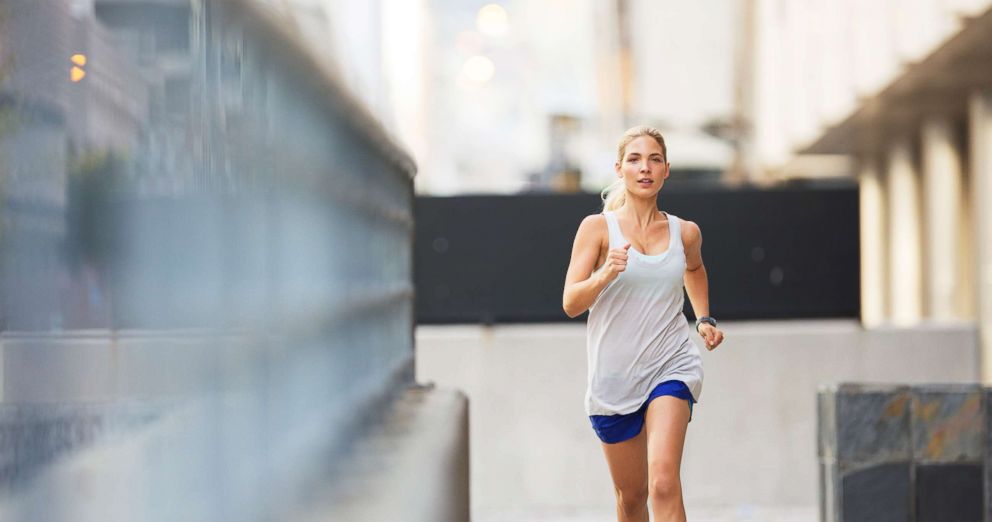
x=780, y=253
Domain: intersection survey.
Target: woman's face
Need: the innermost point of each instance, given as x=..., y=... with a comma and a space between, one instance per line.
x=643, y=168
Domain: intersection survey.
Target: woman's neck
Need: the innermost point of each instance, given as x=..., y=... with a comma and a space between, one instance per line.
x=642, y=211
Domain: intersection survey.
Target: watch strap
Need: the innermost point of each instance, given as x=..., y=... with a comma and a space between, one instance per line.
x=705, y=319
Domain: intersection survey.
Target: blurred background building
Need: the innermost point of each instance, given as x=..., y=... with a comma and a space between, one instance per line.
x=530, y=96
x=494, y=98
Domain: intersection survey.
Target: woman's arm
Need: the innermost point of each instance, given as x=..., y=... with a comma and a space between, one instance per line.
x=582, y=286
x=696, y=283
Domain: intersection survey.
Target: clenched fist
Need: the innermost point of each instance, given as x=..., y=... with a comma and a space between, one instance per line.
x=616, y=262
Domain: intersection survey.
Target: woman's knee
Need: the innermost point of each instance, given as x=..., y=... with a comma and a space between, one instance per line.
x=632, y=499
x=665, y=486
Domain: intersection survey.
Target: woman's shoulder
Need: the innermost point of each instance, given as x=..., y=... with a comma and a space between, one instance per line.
x=689, y=230
x=593, y=225
x=594, y=220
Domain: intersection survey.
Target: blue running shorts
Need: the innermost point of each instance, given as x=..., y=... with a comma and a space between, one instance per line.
x=612, y=429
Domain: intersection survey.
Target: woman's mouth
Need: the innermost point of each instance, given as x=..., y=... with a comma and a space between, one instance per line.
x=645, y=182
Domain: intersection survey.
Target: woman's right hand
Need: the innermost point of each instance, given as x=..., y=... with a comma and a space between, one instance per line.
x=616, y=262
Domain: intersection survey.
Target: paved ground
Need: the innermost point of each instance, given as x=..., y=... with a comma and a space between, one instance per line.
x=744, y=513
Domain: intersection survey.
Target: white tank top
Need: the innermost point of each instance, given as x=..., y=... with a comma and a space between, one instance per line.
x=637, y=336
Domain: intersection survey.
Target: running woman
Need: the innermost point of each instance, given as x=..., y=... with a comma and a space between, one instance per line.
x=645, y=373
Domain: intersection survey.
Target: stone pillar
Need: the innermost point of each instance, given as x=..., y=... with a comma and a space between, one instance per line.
x=980, y=132
x=874, y=244
x=943, y=220
x=905, y=255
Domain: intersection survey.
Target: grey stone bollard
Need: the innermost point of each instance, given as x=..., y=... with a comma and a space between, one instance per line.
x=865, y=452
x=898, y=453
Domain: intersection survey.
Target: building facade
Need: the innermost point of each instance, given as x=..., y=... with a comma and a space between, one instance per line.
x=898, y=96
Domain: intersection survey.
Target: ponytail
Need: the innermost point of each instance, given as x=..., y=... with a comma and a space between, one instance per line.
x=614, y=196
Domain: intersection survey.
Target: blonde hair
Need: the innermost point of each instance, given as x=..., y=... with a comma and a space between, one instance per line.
x=615, y=194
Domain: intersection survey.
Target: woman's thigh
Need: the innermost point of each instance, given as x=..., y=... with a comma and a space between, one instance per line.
x=665, y=425
x=628, y=463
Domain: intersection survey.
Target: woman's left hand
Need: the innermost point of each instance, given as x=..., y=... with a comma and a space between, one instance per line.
x=712, y=335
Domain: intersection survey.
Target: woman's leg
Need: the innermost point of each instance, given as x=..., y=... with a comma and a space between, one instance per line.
x=629, y=468
x=665, y=425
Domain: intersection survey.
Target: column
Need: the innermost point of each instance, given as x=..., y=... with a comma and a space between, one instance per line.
x=905, y=260
x=980, y=133
x=942, y=223
x=873, y=242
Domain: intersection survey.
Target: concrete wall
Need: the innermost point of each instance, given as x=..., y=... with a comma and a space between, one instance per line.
x=752, y=441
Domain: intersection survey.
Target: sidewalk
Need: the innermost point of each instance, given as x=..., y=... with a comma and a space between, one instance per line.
x=743, y=513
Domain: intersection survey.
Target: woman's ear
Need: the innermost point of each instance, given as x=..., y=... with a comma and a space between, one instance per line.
x=616, y=168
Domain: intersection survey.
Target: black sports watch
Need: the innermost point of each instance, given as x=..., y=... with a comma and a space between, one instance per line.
x=705, y=319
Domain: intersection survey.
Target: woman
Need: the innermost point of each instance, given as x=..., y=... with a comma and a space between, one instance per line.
x=645, y=373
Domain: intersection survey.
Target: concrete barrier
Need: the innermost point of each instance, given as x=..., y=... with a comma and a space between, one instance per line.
x=34, y=435
x=141, y=463
x=901, y=453
x=414, y=466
